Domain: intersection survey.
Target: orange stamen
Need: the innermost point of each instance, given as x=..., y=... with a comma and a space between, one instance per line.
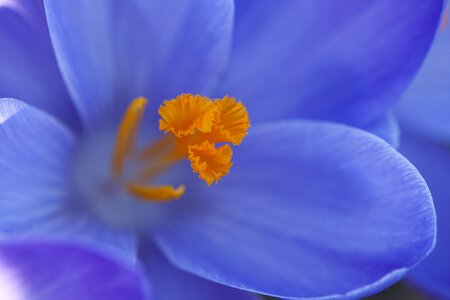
x=162, y=193
x=126, y=134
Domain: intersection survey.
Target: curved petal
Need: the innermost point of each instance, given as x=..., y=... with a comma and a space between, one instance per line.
x=433, y=161
x=28, y=68
x=111, y=52
x=387, y=128
x=344, y=61
x=170, y=283
x=426, y=104
x=309, y=210
x=36, y=194
x=51, y=271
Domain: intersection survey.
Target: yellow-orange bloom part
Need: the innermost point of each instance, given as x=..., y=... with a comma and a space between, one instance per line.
x=209, y=162
x=185, y=114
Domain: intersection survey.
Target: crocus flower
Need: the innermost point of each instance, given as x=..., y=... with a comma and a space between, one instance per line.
x=302, y=208
x=425, y=115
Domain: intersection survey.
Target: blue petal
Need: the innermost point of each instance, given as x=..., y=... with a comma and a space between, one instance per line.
x=426, y=105
x=387, y=128
x=433, y=161
x=170, y=283
x=36, y=194
x=28, y=68
x=340, y=61
x=113, y=51
x=53, y=271
x=309, y=210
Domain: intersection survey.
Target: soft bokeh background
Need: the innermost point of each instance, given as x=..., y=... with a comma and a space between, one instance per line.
x=400, y=291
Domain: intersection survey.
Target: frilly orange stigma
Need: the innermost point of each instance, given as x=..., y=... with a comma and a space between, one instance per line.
x=231, y=122
x=198, y=123
x=186, y=114
x=209, y=162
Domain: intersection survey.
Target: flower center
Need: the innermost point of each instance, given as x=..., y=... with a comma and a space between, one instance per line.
x=193, y=127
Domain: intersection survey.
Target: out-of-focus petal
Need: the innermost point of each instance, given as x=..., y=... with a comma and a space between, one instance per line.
x=343, y=61
x=28, y=68
x=433, y=161
x=426, y=104
x=113, y=51
x=170, y=283
x=387, y=128
x=37, y=198
x=308, y=210
x=54, y=271
x=11, y=287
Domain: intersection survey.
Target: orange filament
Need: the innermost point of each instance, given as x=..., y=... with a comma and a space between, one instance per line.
x=162, y=146
x=127, y=134
x=194, y=125
x=159, y=165
x=209, y=162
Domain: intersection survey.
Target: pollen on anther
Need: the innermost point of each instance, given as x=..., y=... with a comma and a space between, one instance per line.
x=162, y=193
x=126, y=134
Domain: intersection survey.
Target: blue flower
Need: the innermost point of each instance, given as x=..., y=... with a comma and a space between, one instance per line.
x=425, y=117
x=310, y=209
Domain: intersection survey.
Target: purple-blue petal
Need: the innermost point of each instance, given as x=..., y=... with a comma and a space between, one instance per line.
x=53, y=271
x=170, y=283
x=387, y=128
x=426, y=105
x=37, y=198
x=111, y=52
x=309, y=210
x=432, y=158
x=344, y=61
x=28, y=68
